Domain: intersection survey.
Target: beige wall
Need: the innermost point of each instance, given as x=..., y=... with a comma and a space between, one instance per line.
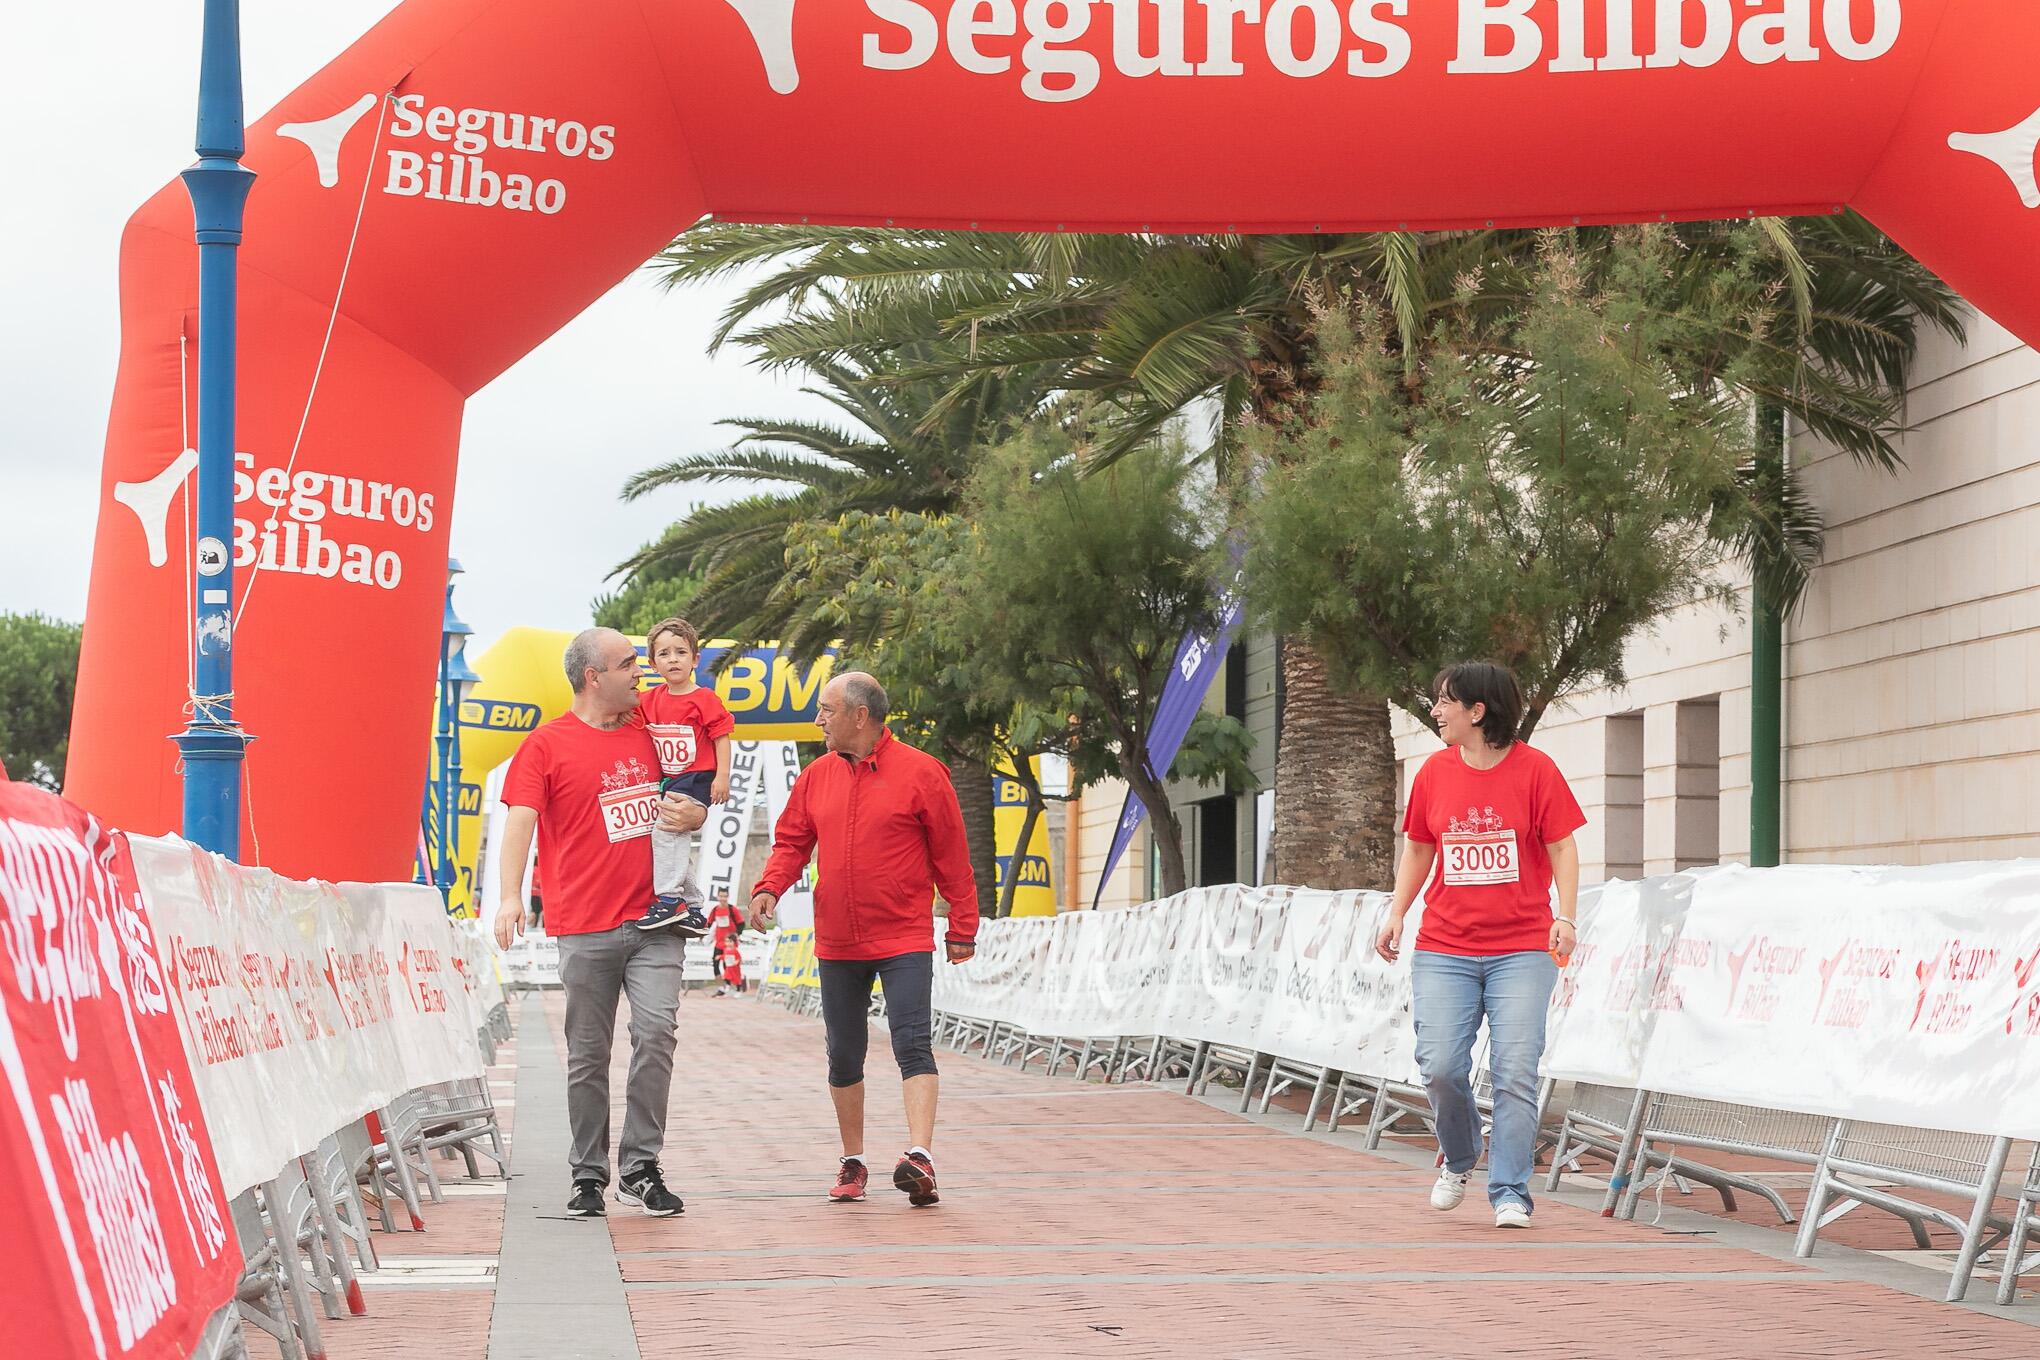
x=1912, y=711
x=1098, y=814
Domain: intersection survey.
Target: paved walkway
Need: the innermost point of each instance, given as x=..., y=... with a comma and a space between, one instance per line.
x=1082, y=1221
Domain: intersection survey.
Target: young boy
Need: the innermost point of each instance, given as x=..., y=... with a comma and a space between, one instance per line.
x=691, y=729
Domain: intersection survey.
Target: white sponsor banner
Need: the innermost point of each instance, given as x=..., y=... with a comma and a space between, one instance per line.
x=477, y=961
x=1903, y=996
x=1608, y=1001
x=781, y=762
x=1278, y=970
x=720, y=842
x=533, y=960
x=1900, y=995
x=302, y=1005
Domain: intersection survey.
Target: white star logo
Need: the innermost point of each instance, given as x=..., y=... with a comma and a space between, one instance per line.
x=2010, y=151
x=325, y=136
x=771, y=25
x=150, y=500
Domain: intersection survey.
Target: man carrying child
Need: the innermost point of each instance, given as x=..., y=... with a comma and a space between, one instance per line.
x=691, y=728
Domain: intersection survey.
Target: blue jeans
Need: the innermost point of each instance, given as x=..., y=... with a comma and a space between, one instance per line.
x=1451, y=992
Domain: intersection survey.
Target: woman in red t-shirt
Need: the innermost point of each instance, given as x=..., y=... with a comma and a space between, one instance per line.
x=1489, y=834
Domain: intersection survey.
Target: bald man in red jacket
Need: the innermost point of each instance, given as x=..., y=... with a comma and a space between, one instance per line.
x=884, y=821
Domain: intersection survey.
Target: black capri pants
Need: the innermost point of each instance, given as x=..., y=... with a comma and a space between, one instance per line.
x=908, y=981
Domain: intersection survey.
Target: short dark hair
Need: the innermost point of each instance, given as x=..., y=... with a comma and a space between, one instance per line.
x=677, y=626
x=1483, y=682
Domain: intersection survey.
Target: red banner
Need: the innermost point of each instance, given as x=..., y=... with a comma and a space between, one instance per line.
x=119, y=1241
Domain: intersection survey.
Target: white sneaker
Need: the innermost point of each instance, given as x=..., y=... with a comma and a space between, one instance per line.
x=1450, y=1189
x=1510, y=1214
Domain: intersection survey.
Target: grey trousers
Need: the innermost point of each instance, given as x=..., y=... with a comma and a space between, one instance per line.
x=673, y=867
x=673, y=858
x=595, y=969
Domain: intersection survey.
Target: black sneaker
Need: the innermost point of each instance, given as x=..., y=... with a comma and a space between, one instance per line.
x=692, y=922
x=587, y=1200
x=648, y=1191
x=665, y=911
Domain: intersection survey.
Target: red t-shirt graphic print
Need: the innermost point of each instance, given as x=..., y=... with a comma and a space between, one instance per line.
x=597, y=797
x=1490, y=889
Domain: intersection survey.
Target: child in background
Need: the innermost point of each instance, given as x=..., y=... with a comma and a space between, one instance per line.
x=733, y=964
x=691, y=728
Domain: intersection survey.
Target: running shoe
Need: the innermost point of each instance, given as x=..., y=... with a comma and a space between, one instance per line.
x=692, y=922
x=1450, y=1189
x=850, y=1181
x=587, y=1200
x=916, y=1176
x=665, y=911
x=647, y=1189
x=1509, y=1214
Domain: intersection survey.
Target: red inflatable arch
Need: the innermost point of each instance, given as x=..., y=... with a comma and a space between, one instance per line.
x=472, y=173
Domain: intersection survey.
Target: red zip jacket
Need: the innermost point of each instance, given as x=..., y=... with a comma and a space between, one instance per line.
x=889, y=832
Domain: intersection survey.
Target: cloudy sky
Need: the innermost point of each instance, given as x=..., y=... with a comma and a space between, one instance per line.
x=101, y=100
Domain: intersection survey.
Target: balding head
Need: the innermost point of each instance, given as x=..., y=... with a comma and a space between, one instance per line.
x=592, y=649
x=602, y=667
x=851, y=712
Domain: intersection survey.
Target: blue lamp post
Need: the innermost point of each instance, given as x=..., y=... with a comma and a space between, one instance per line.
x=212, y=743
x=456, y=681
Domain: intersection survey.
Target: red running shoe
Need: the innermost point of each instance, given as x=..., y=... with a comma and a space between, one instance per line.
x=916, y=1175
x=849, y=1186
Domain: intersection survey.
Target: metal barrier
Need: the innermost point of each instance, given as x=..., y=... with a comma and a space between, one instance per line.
x=1964, y=1165
x=2016, y=1263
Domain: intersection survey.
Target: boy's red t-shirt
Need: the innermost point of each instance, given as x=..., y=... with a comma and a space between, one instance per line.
x=1490, y=888
x=597, y=796
x=685, y=727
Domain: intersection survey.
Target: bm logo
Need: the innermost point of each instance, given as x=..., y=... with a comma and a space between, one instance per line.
x=499, y=715
x=1033, y=870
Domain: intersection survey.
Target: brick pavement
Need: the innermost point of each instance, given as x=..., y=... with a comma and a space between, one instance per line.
x=1086, y=1220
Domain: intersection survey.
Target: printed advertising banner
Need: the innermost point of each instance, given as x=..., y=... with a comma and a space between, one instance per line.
x=116, y=1221
x=1035, y=895
x=303, y=1005
x=1904, y=996
x=781, y=761
x=792, y=959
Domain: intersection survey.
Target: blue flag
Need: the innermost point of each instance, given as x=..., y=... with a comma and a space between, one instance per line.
x=1199, y=658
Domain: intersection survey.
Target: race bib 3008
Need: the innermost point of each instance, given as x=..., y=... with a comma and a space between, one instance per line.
x=1479, y=856
x=676, y=746
x=630, y=812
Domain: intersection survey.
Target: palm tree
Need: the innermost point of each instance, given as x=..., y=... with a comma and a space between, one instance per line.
x=896, y=450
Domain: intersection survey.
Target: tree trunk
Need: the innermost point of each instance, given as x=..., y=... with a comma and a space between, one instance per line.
x=1168, y=830
x=1335, y=781
x=972, y=780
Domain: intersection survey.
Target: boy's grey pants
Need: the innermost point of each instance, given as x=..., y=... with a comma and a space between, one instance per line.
x=673, y=867
x=595, y=969
x=673, y=858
